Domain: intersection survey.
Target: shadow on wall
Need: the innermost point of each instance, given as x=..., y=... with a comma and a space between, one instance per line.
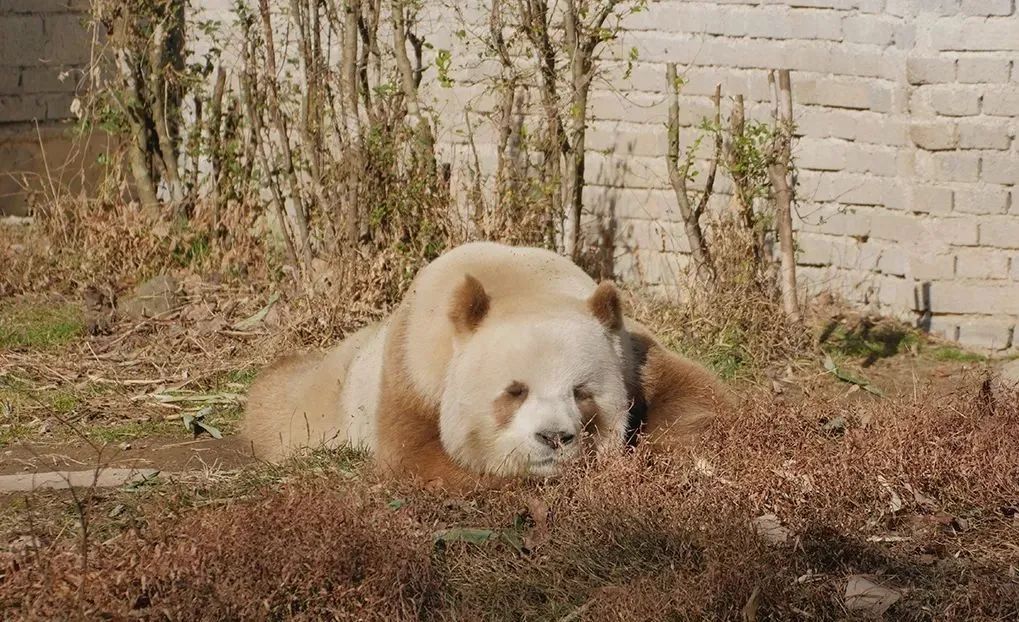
x=44, y=54
x=601, y=229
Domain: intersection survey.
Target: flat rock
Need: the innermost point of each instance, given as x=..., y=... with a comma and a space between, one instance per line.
x=108, y=478
x=154, y=297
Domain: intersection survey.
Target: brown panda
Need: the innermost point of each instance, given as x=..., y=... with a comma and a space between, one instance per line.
x=500, y=361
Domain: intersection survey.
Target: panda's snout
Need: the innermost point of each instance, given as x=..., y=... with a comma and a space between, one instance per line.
x=555, y=438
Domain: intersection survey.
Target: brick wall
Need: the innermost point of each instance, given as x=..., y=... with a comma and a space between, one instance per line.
x=43, y=50
x=907, y=112
x=908, y=163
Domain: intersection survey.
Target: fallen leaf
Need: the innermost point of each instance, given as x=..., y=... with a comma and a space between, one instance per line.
x=895, y=501
x=864, y=595
x=844, y=376
x=769, y=528
x=750, y=608
x=539, y=534
x=250, y=322
x=465, y=534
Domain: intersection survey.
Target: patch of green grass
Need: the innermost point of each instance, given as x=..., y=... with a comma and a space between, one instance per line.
x=242, y=376
x=881, y=341
x=727, y=356
x=955, y=354
x=24, y=326
x=11, y=433
x=132, y=430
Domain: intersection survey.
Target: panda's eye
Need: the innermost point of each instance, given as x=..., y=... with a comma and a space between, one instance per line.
x=581, y=393
x=516, y=389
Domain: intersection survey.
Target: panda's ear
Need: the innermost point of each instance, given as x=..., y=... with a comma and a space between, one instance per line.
x=469, y=305
x=606, y=306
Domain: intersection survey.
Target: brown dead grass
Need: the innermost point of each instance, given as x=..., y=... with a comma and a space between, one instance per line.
x=920, y=494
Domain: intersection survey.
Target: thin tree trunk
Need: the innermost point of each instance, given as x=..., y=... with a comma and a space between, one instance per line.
x=300, y=218
x=678, y=178
x=778, y=171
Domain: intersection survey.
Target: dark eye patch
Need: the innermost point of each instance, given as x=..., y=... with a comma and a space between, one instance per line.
x=516, y=389
x=582, y=393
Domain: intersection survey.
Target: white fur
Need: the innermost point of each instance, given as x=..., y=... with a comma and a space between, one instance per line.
x=550, y=356
x=359, y=399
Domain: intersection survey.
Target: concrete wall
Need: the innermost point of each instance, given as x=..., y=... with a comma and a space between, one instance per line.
x=44, y=48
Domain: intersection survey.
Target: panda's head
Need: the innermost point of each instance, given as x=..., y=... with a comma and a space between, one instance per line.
x=526, y=390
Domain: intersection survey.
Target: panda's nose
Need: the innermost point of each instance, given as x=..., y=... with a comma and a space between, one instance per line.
x=554, y=438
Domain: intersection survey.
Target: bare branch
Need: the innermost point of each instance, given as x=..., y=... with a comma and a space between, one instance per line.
x=678, y=178
x=778, y=172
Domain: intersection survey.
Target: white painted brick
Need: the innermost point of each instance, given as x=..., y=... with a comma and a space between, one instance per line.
x=820, y=155
x=985, y=134
x=986, y=333
x=975, y=34
x=948, y=166
x=893, y=260
x=844, y=93
x=988, y=201
x=631, y=203
x=930, y=70
x=981, y=264
x=1015, y=267
x=886, y=132
x=945, y=327
x=935, y=135
x=983, y=70
x=842, y=5
x=896, y=226
x=947, y=7
x=832, y=219
x=974, y=297
x=929, y=267
x=871, y=29
x=939, y=233
x=1000, y=168
x=865, y=62
x=879, y=161
x=850, y=189
x=932, y=199
x=1000, y=231
x=955, y=102
x=813, y=249
x=987, y=7
x=1002, y=101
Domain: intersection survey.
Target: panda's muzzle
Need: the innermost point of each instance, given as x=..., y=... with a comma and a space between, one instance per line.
x=555, y=438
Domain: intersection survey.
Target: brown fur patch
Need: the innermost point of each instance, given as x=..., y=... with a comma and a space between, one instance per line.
x=469, y=306
x=679, y=397
x=506, y=406
x=408, y=443
x=605, y=305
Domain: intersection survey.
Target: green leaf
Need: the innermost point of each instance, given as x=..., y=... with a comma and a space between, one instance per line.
x=844, y=376
x=465, y=534
x=252, y=321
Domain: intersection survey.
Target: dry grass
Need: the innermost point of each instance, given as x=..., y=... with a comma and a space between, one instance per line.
x=920, y=495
